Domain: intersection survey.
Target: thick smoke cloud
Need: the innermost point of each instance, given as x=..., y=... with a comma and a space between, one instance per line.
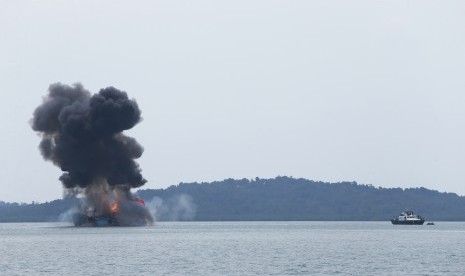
x=82, y=134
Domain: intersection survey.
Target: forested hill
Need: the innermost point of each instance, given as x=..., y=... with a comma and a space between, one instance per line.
x=281, y=198
x=285, y=198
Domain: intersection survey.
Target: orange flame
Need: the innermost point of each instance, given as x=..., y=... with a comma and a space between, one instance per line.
x=114, y=207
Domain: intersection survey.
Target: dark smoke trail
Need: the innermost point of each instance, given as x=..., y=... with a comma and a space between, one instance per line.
x=82, y=134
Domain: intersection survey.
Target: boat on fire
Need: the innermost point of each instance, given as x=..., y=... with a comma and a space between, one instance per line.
x=408, y=218
x=91, y=219
x=110, y=216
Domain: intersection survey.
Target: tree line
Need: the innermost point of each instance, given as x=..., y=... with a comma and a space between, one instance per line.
x=281, y=198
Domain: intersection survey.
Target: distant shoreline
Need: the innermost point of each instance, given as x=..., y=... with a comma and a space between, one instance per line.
x=276, y=199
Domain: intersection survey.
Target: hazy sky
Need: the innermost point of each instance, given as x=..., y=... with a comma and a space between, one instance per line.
x=366, y=91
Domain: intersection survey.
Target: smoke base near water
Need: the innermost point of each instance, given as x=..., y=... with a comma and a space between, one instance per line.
x=177, y=208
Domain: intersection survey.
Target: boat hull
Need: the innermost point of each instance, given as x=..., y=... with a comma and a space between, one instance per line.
x=408, y=222
x=101, y=221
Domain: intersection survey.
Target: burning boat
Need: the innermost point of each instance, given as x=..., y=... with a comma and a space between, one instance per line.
x=132, y=213
x=91, y=219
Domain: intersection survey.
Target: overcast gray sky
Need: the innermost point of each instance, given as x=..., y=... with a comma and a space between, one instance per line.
x=366, y=91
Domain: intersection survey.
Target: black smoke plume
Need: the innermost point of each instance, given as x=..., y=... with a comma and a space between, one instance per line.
x=82, y=134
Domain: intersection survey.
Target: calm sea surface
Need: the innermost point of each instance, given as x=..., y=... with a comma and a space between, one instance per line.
x=234, y=248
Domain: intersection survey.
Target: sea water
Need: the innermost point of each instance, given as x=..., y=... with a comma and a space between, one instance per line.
x=234, y=248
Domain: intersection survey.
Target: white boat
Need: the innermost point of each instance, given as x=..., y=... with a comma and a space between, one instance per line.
x=408, y=218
